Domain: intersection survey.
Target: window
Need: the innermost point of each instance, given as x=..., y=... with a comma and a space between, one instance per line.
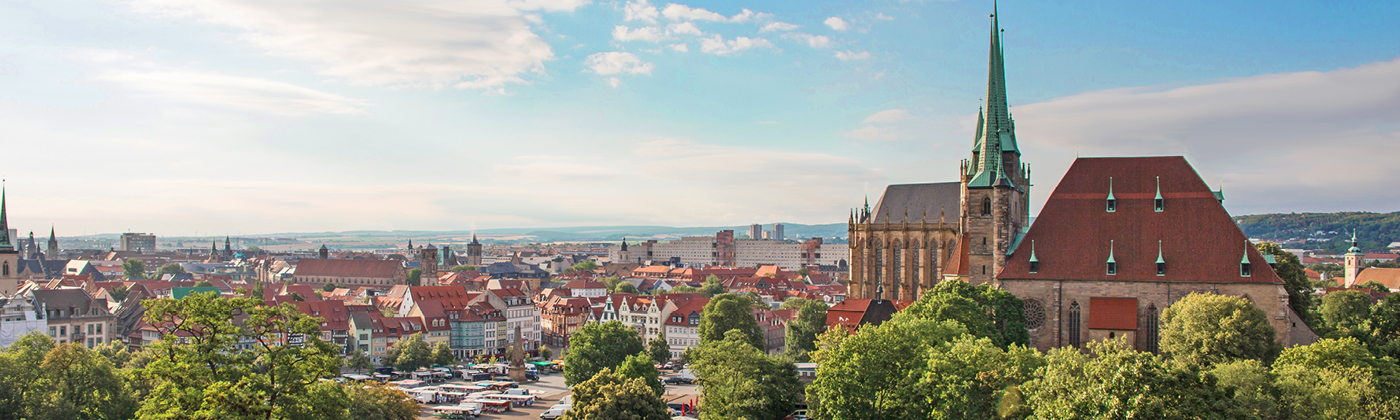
x=1035, y=266
x=1244, y=269
x=1074, y=324
x=986, y=206
x=1157, y=202
x=1112, y=202
x=1161, y=269
x=1112, y=268
x=90, y=328
x=1152, y=328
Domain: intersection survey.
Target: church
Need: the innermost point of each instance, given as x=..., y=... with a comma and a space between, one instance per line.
x=1117, y=242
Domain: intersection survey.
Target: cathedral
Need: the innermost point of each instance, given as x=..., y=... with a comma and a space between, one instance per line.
x=908, y=242
x=1118, y=241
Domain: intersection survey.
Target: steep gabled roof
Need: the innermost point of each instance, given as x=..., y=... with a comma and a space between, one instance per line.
x=918, y=200
x=348, y=268
x=1074, y=232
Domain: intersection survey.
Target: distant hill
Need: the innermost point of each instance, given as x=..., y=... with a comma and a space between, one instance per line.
x=1329, y=231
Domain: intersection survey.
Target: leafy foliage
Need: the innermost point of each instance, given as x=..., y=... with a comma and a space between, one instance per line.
x=730, y=312
x=359, y=361
x=741, y=382
x=983, y=310
x=1295, y=281
x=374, y=401
x=638, y=366
x=1374, y=230
x=169, y=268
x=545, y=353
x=133, y=269
x=659, y=349
x=464, y=267
x=1333, y=379
x=802, y=332
x=409, y=354
x=415, y=277
x=712, y=286
x=598, y=346
x=1204, y=329
x=1346, y=313
x=608, y=396
x=442, y=355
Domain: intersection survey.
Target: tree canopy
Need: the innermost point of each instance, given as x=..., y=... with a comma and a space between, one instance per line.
x=169, y=268
x=983, y=310
x=659, y=349
x=730, y=312
x=609, y=396
x=1204, y=329
x=133, y=269
x=597, y=346
x=802, y=331
x=415, y=277
x=1295, y=280
x=712, y=286
x=741, y=382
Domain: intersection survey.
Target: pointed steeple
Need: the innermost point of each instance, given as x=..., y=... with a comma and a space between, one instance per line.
x=6, y=243
x=1354, y=249
x=996, y=133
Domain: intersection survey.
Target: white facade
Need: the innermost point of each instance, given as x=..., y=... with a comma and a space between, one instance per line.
x=17, y=318
x=691, y=250
x=785, y=255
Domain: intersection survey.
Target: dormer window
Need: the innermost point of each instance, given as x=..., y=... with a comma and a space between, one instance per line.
x=1157, y=202
x=1112, y=264
x=1112, y=202
x=1161, y=263
x=1035, y=262
x=1244, y=263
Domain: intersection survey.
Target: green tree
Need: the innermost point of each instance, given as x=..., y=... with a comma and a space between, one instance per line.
x=442, y=355
x=659, y=349
x=611, y=283
x=972, y=378
x=204, y=283
x=1252, y=385
x=607, y=396
x=984, y=310
x=169, y=268
x=743, y=382
x=206, y=365
x=597, y=346
x=374, y=401
x=118, y=293
x=1374, y=285
x=1295, y=280
x=684, y=289
x=464, y=267
x=1385, y=327
x=134, y=269
x=712, y=286
x=359, y=361
x=1203, y=329
x=625, y=287
x=1335, y=379
x=79, y=383
x=410, y=354
x=115, y=352
x=1114, y=383
x=546, y=353
x=730, y=312
x=639, y=366
x=586, y=265
x=875, y=373
x=329, y=287
x=1346, y=313
x=415, y=277
x=802, y=332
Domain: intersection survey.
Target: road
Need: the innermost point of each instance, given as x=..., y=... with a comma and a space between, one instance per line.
x=550, y=389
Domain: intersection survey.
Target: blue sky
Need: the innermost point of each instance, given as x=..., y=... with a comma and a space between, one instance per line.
x=247, y=116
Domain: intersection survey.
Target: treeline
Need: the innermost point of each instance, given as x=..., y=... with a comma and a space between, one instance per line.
x=955, y=354
x=1374, y=230
x=219, y=358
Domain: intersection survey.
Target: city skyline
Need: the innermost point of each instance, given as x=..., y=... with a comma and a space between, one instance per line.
x=231, y=116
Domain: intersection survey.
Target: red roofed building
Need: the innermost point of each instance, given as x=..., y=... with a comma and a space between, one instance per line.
x=852, y=313
x=335, y=320
x=683, y=326
x=350, y=273
x=1120, y=240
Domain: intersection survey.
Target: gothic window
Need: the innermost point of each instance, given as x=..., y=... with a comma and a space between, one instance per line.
x=1074, y=324
x=7, y=269
x=1152, y=328
x=896, y=274
x=986, y=206
x=1035, y=314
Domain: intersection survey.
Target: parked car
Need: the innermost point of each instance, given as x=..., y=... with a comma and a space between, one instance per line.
x=554, y=413
x=677, y=380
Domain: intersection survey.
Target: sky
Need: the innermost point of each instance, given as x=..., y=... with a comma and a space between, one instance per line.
x=227, y=117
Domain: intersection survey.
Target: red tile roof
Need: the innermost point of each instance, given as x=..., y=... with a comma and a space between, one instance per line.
x=1390, y=277
x=1199, y=240
x=348, y=268
x=1113, y=313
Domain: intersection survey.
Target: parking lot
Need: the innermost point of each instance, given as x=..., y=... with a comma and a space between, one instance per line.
x=550, y=389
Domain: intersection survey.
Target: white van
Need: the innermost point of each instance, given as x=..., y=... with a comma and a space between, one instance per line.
x=554, y=412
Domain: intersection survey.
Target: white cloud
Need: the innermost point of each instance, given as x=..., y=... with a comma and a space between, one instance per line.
x=218, y=89
x=648, y=33
x=640, y=10
x=680, y=47
x=688, y=28
x=850, y=55
x=615, y=62
x=837, y=23
x=614, y=82
x=887, y=116
x=715, y=44
x=682, y=12
x=1302, y=141
x=778, y=26
x=749, y=15
x=882, y=16
x=815, y=41
x=482, y=44
x=547, y=5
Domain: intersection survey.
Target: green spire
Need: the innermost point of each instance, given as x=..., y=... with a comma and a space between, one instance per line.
x=1353, y=250
x=1033, y=258
x=1110, y=252
x=4, y=224
x=1159, y=253
x=996, y=133
x=1245, y=259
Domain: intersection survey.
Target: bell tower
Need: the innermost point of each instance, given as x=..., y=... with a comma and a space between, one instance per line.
x=995, y=183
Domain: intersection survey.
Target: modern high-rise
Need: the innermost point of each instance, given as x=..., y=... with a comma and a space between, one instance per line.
x=777, y=232
x=142, y=242
x=755, y=231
